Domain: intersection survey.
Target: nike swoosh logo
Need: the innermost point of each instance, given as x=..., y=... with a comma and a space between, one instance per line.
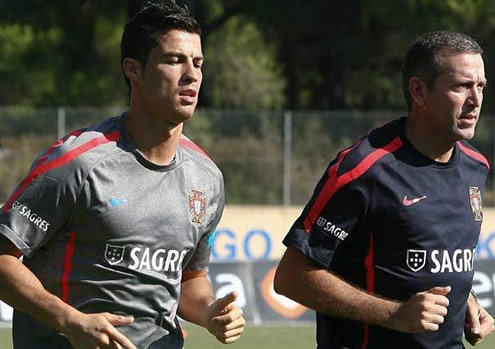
x=407, y=202
x=117, y=202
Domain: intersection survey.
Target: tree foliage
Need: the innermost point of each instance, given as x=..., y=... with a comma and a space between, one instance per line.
x=317, y=54
x=240, y=70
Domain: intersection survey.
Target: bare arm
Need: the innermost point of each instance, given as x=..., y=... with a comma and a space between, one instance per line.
x=23, y=290
x=298, y=278
x=195, y=297
x=197, y=304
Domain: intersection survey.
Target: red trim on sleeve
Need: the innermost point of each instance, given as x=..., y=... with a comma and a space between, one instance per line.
x=370, y=285
x=44, y=166
x=193, y=146
x=369, y=264
x=366, y=336
x=475, y=155
x=69, y=253
x=334, y=183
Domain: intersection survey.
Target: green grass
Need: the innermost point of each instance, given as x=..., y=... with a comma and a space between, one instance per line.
x=253, y=338
x=5, y=340
x=262, y=337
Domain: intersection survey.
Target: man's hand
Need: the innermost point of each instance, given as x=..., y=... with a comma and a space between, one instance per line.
x=424, y=311
x=225, y=320
x=478, y=324
x=97, y=331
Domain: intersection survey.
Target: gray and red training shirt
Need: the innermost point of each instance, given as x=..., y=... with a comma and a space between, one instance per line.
x=106, y=230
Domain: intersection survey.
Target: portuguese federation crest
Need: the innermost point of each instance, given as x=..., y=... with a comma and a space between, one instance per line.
x=197, y=206
x=475, y=200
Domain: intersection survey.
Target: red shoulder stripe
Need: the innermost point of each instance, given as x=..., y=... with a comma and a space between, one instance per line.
x=334, y=183
x=55, y=145
x=44, y=166
x=191, y=145
x=475, y=155
x=332, y=175
x=69, y=253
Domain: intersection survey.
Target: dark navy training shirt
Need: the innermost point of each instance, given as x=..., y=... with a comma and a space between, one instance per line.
x=394, y=222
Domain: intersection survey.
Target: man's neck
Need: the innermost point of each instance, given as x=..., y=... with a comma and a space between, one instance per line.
x=156, y=140
x=426, y=141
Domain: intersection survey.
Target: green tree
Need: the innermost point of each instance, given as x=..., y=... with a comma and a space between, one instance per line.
x=69, y=52
x=22, y=82
x=241, y=70
x=348, y=54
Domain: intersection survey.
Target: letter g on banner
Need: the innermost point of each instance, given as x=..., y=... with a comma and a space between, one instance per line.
x=219, y=236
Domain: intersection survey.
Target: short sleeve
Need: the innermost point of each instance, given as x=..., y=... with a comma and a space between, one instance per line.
x=332, y=217
x=39, y=208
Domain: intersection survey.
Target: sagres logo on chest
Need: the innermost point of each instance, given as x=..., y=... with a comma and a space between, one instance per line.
x=475, y=200
x=197, y=206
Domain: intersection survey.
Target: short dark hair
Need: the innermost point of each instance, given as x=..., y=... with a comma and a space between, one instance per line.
x=425, y=57
x=143, y=30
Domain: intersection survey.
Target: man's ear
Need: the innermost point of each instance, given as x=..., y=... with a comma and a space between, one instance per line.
x=132, y=68
x=418, y=90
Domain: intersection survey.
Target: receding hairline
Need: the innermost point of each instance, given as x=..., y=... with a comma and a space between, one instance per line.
x=447, y=52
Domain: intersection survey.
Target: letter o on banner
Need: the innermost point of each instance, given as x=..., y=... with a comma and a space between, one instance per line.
x=248, y=246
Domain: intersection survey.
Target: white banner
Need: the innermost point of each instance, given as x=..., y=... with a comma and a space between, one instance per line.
x=5, y=312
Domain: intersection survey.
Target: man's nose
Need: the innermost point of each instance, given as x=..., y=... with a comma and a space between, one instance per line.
x=192, y=73
x=476, y=97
